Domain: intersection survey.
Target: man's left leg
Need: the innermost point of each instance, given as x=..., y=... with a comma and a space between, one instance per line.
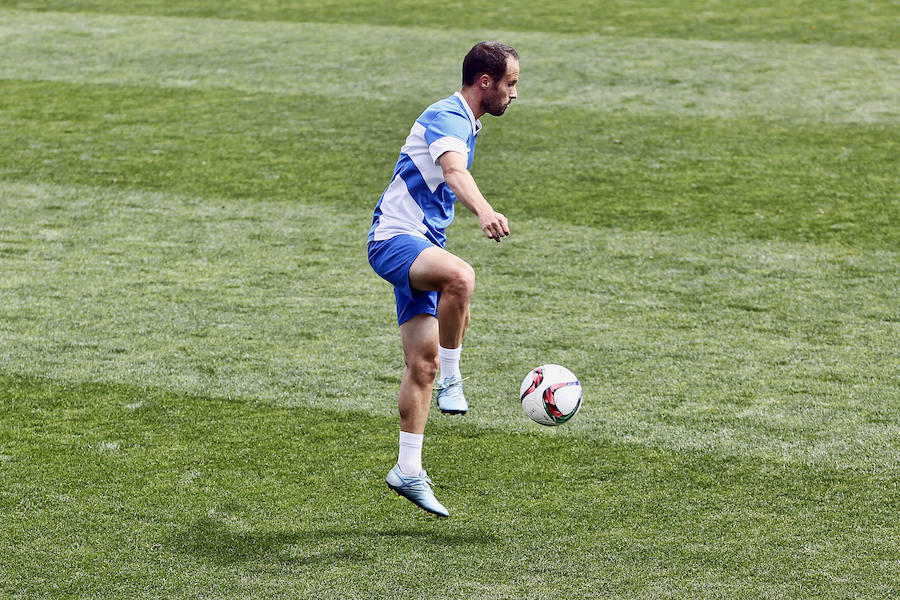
x=438, y=270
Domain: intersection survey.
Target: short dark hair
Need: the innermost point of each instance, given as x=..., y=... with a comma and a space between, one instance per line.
x=486, y=57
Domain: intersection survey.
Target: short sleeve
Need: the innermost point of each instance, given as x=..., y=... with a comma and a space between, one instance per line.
x=448, y=131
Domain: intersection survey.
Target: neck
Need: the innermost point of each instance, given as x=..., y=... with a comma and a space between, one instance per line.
x=473, y=99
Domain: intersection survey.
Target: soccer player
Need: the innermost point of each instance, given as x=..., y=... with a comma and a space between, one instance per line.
x=406, y=247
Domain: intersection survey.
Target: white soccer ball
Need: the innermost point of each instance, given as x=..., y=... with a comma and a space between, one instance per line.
x=551, y=394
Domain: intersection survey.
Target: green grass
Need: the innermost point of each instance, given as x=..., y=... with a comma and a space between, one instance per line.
x=199, y=368
x=145, y=102
x=830, y=21
x=795, y=183
x=190, y=496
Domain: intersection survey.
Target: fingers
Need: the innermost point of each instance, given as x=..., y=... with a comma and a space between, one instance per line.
x=497, y=227
x=496, y=232
x=504, y=226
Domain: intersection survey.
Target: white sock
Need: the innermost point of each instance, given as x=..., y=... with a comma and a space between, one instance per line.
x=449, y=362
x=410, y=458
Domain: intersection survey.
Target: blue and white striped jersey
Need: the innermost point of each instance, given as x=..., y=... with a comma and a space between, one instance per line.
x=418, y=201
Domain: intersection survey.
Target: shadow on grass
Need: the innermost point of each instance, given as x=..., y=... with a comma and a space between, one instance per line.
x=211, y=539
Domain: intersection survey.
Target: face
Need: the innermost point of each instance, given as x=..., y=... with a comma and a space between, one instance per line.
x=499, y=94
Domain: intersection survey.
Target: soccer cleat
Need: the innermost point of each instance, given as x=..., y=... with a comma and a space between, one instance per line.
x=450, y=398
x=416, y=489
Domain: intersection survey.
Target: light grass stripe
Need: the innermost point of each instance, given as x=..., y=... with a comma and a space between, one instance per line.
x=806, y=83
x=775, y=350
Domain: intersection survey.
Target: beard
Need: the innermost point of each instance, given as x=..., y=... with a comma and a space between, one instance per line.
x=495, y=106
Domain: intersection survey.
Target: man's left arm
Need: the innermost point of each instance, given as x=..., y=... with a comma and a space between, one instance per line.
x=457, y=176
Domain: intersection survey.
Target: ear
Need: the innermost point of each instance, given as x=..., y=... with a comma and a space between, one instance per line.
x=484, y=81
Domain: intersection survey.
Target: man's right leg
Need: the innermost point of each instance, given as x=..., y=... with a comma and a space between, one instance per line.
x=420, y=344
x=419, y=337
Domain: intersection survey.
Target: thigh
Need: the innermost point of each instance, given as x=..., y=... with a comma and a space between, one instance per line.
x=433, y=267
x=392, y=260
x=419, y=336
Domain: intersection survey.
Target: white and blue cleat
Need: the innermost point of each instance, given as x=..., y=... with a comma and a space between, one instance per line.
x=416, y=489
x=450, y=398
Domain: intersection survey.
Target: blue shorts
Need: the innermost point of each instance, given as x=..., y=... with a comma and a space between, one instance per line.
x=392, y=259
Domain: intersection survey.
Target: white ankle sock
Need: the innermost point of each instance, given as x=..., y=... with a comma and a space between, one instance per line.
x=410, y=457
x=449, y=362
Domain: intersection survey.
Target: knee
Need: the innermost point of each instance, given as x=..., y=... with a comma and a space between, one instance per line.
x=424, y=369
x=460, y=282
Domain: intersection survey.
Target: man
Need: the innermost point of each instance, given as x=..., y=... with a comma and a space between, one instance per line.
x=406, y=247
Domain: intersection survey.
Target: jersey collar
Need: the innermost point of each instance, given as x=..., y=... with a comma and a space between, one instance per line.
x=476, y=124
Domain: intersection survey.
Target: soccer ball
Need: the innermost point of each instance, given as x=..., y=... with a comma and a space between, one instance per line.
x=551, y=394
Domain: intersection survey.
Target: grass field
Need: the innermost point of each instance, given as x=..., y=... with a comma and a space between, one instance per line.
x=198, y=369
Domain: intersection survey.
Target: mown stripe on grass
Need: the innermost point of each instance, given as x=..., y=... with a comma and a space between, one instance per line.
x=784, y=351
x=647, y=76
x=113, y=490
x=733, y=178
x=832, y=22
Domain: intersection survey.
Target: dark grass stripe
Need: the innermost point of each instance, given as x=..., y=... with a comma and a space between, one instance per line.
x=873, y=24
x=112, y=489
x=747, y=178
